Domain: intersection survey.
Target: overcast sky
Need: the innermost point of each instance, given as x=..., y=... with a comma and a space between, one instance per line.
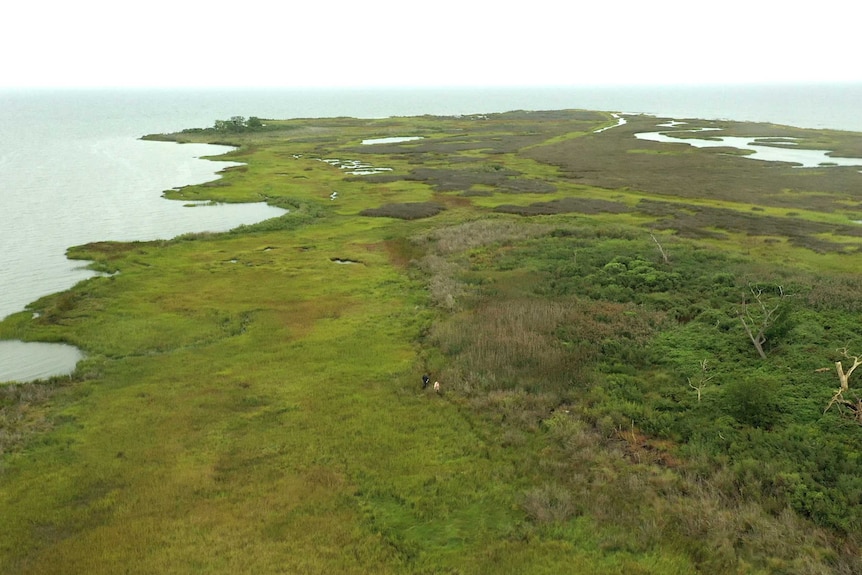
x=304, y=43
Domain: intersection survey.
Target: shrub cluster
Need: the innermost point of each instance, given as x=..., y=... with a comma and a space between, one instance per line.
x=585, y=346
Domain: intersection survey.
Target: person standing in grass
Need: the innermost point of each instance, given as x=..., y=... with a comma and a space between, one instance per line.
x=425, y=380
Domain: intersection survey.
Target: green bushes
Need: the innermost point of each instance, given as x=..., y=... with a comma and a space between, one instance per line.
x=752, y=400
x=611, y=336
x=637, y=276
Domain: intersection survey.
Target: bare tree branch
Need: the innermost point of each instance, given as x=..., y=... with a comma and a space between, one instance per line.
x=844, y=381
x=702, y=380
x=759, y=315
x=844, y=377
x=660, y=249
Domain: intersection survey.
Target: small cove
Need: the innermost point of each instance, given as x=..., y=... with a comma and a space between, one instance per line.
x=83, y=183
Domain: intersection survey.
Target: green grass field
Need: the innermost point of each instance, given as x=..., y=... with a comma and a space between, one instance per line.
x=251, y=401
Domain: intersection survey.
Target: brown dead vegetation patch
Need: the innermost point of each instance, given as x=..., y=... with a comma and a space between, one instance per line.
x=405, y=211
x=565, y=206
x=702, y=221
x=22, y=414
x=492, y=133
x=463, y=180
x=643, y=449
x=506, y=180
x=401, y=251
x=605, y=160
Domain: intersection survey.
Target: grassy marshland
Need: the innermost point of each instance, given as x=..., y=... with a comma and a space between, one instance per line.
x=252, y=402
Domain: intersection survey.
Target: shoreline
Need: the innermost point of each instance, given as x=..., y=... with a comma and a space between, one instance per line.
x=226, y=142
x=56, y=273
x=513, y=259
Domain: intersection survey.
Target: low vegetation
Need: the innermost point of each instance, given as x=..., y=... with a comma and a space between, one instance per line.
x=647, y=358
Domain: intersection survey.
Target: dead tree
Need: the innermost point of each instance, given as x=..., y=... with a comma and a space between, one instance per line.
x=855, y=407
x=701, y=381
x=760, y=314
x=660, y=249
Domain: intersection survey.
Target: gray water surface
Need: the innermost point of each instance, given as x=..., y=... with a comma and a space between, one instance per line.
x=82, y=190
x=28, y=361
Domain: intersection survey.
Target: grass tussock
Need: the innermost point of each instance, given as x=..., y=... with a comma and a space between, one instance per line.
x=23, y=413
x=474, y=234
x=701, y=221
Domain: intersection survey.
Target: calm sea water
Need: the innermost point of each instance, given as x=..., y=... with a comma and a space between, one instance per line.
x=73, y=170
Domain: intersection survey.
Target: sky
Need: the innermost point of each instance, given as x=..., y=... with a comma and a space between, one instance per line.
x=378, y=43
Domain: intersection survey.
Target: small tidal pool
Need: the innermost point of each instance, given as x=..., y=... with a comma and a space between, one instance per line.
x=28, y=361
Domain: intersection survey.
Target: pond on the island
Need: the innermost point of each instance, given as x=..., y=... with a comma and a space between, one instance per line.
x=768, y=149
x=392, y=140
x=28, y=361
